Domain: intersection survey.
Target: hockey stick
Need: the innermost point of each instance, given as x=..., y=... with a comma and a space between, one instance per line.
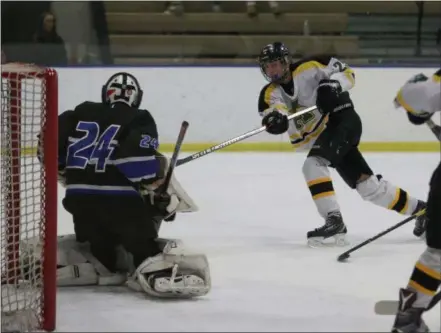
x=237, y=139
x=174, y=158
x=434, y=128
x=345, y=255
x=391, y=307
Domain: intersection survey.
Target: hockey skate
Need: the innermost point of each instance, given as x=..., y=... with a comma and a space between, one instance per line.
x=334, y=227
x=421, y=221
x=408, y=319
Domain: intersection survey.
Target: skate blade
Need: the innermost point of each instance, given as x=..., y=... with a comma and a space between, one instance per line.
x=338, y=240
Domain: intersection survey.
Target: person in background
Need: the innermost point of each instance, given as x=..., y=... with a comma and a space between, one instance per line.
x=3, y=58
x=49, y=46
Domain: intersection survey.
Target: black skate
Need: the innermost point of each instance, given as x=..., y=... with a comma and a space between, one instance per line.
x=408, y=319
x=334, y=227
x=421, y=221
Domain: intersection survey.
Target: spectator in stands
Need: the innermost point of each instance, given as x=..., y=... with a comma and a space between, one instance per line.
x=3, y=57
x=49, y=46
x=177, y=7
x=252, y=8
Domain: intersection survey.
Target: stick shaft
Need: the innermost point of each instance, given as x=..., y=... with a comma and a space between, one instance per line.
x=237, y=139
x=174, y=158
x=381, y=234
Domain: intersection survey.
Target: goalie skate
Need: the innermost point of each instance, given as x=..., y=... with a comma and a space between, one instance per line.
x=332, y=233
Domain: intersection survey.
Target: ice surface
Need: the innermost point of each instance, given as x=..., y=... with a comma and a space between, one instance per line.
x=255, y=210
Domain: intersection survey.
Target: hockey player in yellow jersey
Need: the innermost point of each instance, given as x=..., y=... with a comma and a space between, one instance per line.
x=330, y=134
x=421, y=98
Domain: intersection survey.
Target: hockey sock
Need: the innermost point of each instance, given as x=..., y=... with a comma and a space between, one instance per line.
x=426, y=277
x=382, y=193
x=319, y=182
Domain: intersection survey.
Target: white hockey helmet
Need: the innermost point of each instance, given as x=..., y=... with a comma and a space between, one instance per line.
x=122, y=87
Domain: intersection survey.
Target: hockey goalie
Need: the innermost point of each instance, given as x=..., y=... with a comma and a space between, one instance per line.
x=113, y=175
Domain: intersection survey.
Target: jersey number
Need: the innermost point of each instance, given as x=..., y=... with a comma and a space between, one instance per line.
x=338, y=66
x=91, y=149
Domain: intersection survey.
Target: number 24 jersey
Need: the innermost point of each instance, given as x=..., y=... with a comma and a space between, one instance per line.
x=105, y=149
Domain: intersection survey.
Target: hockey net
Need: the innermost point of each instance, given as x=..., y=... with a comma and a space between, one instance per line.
x=28, y=207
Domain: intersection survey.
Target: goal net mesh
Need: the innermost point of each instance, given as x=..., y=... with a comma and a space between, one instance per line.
x=23, y=182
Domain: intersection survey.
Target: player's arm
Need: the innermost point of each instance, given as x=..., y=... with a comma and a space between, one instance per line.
x=336, y=79
x=273, y=110
x=136, y=156
x=340, y=72
x=420, y=96
x=326, y=67
x=66, y=125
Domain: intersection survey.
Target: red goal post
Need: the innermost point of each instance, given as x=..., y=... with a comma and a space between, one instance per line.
x=29, y=113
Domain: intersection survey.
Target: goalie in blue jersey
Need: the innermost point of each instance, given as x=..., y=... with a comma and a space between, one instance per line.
x=112, y=173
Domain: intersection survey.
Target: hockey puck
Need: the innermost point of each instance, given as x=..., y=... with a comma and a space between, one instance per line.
x=343, y=257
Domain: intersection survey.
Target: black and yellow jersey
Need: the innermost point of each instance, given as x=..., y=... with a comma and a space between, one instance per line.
x=301, y=93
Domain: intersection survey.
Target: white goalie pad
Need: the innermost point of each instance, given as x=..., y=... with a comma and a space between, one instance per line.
x=78, y=267
x=186, y=203
x=174, y=273
x=76, y=264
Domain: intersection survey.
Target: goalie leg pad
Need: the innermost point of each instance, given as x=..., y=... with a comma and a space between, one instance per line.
x=78, y=267
x=174, y=273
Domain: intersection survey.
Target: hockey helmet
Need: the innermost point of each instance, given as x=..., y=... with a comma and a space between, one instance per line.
x=122, y=87
x=278, y=54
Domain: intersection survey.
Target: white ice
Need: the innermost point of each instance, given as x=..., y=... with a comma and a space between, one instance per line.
x=255, y=210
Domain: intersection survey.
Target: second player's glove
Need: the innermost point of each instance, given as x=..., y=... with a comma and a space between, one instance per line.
x=275, y=122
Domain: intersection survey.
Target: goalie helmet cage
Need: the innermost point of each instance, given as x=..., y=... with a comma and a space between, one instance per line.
x=29, y=119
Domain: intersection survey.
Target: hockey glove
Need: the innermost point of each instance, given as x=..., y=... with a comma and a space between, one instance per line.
x=275, y=123
x=161, y=200
x=165, y=204
x=420, y=118
x=328, y=93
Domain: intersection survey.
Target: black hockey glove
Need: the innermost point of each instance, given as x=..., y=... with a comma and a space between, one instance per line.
x=275, y=123
x=161, y=200
x=328, y=96
x=419, y=119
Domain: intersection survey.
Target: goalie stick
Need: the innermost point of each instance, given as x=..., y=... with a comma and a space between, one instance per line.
x=174, y=158
x=237, y=139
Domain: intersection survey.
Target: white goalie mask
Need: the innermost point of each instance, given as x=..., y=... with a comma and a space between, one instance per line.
x=122, y=88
